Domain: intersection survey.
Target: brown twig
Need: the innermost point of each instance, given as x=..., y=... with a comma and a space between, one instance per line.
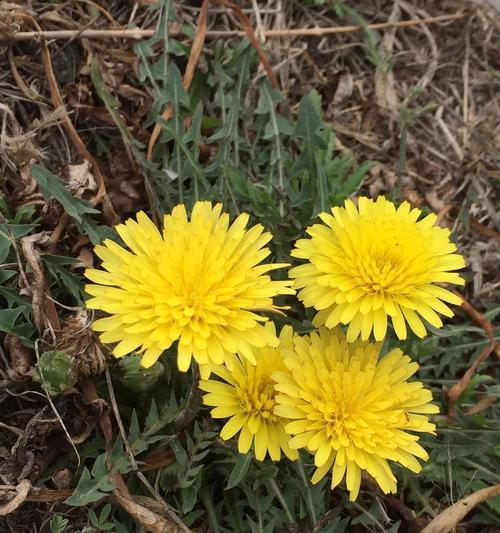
x=57, y=232
x=39, y=495
x=458, y=388
x=22, y=491
x=138, y=33
x=483, y=404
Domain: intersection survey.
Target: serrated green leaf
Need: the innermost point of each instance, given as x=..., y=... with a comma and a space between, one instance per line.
x=53, y=187
x=134, y=429
x=89, y=490
x=71, y=282
x=14, y=231
x=153, y=415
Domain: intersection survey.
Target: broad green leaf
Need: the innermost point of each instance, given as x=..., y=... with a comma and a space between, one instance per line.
x=240, y=469
x=13, y=297
x=5, y=275
x=58, y=524
x=8, y=318
x=308, y=121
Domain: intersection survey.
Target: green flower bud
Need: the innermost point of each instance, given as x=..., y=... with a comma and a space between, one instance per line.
x=54, y=371
x=135, y=377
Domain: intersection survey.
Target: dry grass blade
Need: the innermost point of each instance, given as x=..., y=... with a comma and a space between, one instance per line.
x=484, y=230
x=150, y=520
x=385, y=90
x=44, y=310
x=448, y=519
x=458, y=388
x=247, y=27
x=58, y=103
x=194, y=57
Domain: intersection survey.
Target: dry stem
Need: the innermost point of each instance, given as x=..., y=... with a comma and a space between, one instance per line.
x=138, y=33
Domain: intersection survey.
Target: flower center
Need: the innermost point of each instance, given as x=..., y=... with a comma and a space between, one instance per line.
x=391, y=260
x=258, y=400
x=339, y=417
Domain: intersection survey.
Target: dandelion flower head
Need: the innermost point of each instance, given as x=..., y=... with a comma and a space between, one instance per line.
x=246, y=396
x=352, y=411
x=373, y=262
x=199, y=282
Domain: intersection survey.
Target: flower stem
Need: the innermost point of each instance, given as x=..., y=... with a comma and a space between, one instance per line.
x=188, y=414
x=282, y=501
x=309, y=501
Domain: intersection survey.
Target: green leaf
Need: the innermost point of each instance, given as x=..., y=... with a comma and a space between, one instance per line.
x=14, y=231
x=8, y=318
x=53, y=187
x=93, y=518
x=176, y=94
x=25, y=212
x=268, y=98
x=5, y=275
x=71, y=282
x=459, y=445
x=58, y=524
x=308, y=124
x=89, y=490
x=353, y=182
x=14, y=298
x=97, y=233
x=493, y=390
x=240, y=470
x=308, y=120
x=58, y=259
x=105, y=512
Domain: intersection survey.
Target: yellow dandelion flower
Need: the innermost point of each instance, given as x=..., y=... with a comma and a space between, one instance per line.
x=352, y=411
x=199, y=283
x=246, y=397
x=372, y=262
